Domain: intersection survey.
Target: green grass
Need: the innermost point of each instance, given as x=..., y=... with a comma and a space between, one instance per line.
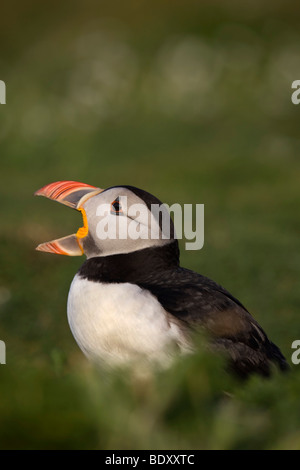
x=228, y=139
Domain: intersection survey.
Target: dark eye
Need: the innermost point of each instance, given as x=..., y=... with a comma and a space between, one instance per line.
x=116, y=206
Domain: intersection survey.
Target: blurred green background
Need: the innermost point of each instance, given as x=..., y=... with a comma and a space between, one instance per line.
x=190, y=101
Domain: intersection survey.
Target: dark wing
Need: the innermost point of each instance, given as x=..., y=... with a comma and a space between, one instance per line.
x=198, y=301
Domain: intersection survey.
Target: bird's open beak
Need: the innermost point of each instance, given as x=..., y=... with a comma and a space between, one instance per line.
x=74, y=195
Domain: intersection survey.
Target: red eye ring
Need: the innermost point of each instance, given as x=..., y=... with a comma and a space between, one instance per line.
x=116, y=206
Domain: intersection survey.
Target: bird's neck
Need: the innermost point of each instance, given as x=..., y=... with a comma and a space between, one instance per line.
x=131, y=267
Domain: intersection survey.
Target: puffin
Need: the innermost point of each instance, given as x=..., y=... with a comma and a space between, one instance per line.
x=131, y=302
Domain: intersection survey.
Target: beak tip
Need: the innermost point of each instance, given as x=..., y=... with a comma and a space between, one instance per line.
x=46, y=247
x=39, y=192
x=70, y=193
x=40, y=247
x=64, y=246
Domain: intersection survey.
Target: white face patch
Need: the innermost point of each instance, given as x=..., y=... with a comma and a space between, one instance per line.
x=115, y=231
x=120, y=323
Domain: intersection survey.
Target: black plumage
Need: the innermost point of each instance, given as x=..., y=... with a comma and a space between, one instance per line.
x=195, y=301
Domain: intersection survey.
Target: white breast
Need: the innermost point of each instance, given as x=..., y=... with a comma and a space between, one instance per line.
x=118, y=323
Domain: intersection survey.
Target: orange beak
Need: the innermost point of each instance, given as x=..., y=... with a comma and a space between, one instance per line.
x=74, y=195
